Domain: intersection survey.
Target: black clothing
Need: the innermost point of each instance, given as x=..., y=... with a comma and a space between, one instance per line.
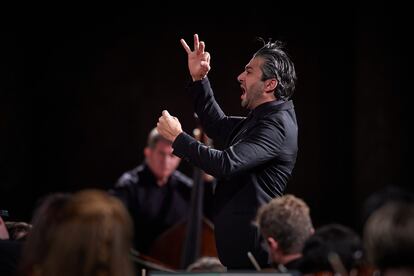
x=255, y=166
x=10, y=252
x=153, y=209
x=292, y=265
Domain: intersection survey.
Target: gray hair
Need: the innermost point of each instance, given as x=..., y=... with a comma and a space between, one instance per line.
x=278, y=65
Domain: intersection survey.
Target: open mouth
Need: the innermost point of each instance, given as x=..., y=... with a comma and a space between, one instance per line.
x=243, y=92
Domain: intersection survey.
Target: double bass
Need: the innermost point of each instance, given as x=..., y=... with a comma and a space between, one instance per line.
x=185, y=242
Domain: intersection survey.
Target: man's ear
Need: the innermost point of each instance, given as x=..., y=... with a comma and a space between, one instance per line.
x=272, y=243
x=147, y=152
x=270, y=85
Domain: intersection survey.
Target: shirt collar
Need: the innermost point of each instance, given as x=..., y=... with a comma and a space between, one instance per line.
x=272, y=105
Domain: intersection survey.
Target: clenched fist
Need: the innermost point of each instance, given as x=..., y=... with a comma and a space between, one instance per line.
x=168, y=126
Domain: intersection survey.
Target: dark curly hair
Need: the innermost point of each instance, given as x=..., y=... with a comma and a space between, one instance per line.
x=278, y=65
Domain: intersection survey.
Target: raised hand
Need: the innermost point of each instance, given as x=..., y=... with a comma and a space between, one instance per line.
x=198, y=59
x=168, y=126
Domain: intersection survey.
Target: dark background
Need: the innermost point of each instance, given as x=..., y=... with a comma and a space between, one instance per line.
x=81, y=88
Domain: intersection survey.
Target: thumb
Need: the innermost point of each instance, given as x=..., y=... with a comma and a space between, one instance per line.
x=165, y=113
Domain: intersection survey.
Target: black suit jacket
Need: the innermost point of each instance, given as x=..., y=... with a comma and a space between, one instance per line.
x=253, y=168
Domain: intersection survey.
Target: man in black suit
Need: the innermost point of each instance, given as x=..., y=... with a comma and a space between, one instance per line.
x=260, y=150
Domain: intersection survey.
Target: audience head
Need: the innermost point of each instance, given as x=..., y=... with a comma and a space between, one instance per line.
x=331, y=240
x=93, y=238
x=44, y=222
x=383, y=196
x=389, y=239
x=285, y=224
x=18, y=230
x=13, y=230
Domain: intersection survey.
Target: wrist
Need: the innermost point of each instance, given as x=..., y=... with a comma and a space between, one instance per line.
x=178, y=134
x=198, y=78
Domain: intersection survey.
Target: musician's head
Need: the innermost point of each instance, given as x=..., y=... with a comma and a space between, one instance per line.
x=285, y=224
x=159, y=157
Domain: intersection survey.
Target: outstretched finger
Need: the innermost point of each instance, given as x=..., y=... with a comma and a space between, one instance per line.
x=202, y=47
x=165, y=113
x=196, y=43
x=185, y=45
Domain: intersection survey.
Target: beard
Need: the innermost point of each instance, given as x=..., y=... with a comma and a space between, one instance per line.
x=244, y=103
x=251, y=96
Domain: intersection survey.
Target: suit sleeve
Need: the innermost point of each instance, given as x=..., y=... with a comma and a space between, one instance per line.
x=215, y=123
x=263, y=144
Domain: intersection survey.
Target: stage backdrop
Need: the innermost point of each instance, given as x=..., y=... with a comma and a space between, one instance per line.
x=84, y=87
